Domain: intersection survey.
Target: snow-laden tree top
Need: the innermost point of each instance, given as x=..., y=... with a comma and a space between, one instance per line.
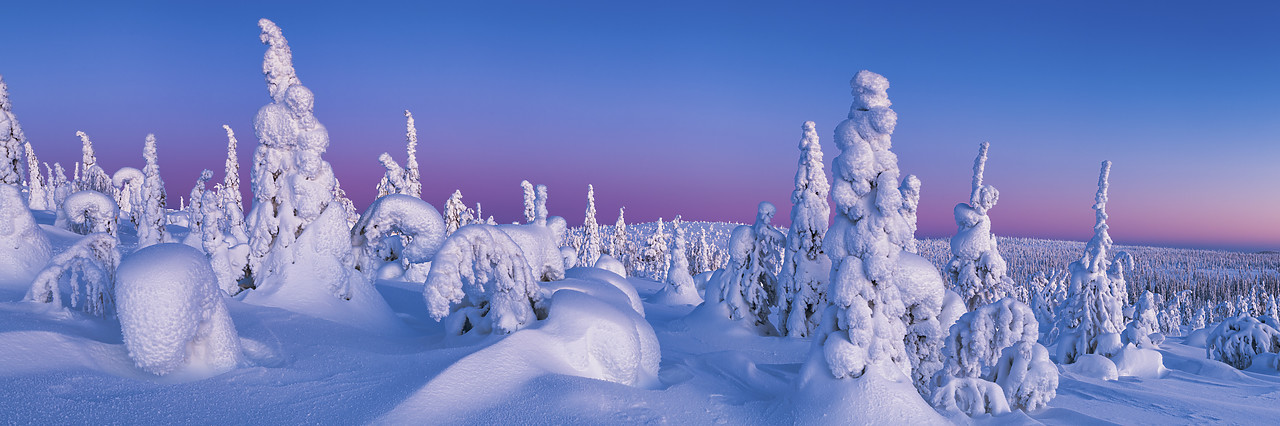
x=1095, y=252
x=277, y=64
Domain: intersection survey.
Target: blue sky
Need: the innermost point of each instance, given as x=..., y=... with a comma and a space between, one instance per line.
x=695, y=109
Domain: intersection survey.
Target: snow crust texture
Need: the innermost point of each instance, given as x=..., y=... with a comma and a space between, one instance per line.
x=171, y=312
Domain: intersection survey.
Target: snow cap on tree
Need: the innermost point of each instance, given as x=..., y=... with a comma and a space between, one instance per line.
x=277, y=63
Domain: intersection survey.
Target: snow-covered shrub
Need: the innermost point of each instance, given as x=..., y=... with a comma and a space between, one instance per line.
x=150, y=211
x=480, y=281
x=414, y=223
x=172, y=314
x=591, y=245
x=1236, y=341
x=1145, y=325
x=805, y=267
x=1028, y=377
x=37, y=190
x=92, y=177
x=11, y=140
x=89, y=211
x=680, y=288
x=977, y=270
x=971, y=396
x=863, y=323
x=1092, y=316
x=92, y=264
x=749, y=287
x=24, y=249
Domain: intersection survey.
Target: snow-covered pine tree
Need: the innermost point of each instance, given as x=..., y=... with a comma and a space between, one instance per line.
x=805, y=267
x=37, y=192
x=393, y=179
x=540, y=206
x=1145, y=323
x=151, y=213
x=413, y=176
x=619, y=245
x=59, y=186
x=591, y=246
x=232, y=202
x=456, y=214
x=654, y=255
x=750, y=286
x=862, y=326
x=910, y=189
x=11, y=140
x=1093, y=316
x=977, y=271
x=680, y=288
x=530, y=212
x=195, y=211
x=92, y=176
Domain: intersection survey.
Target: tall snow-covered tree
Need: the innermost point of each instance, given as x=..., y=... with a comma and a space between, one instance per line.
x=863, y=324
x=750, y=285
x=91, y=176
x=977, y=270
x=530, y=210
x=413, y=176
x=11, y=140
x=1094, y=307
x=232, y=202
x=805, y=267
x=591, y=246
x=151, y=213
x=37, y=191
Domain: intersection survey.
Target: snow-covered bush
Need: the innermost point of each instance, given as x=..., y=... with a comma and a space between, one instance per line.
x=591, y=245
x=977, y=270
x=805, y=267
x=92, y=264
x=172, y=314
x=680, y=288
x=480, y=281
x=1028, y=377
x=863, y=323
x=11, y=140
x=24, y=249
x=1144, y=326
x=89, y=211
x=150, y=211
x=749, y=288
x=413, y=223
x=1236, y=341
x=971, y=396
x=1092, y=317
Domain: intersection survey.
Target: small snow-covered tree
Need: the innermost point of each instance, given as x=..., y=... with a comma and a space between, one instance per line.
x=413, y=176
x=619, y=246
x=977, y=350
x=750, y=286
x=128, y=184
x=679, y=288
x=195, y=211
x=591, y=246
x=456, y=214
x=540, y=215
x=653, y=258
x=1144, y=325
x=151, y=213
x=1028, y=377
x=413, y=225
x=59, y=186
x=862, y=325
x=11, y=140
x=1170, y=315
x=805, y=267
x=394, y=179
x=1198, y=320
x=530, y=212
x=87, y=212
x=480, y=281
x=231, y=202
x=1094, y=306
x=1236, y=341
x=228, y=261
x=37, y=192
x=910, y=189
x=92, y=177
x=977, y=270
x=92, y=263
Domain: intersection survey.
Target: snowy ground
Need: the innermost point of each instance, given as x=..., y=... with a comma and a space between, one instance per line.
x=61, y=366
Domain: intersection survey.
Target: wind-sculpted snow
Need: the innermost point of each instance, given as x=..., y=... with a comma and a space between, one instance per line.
x=480, y=281
x=90, y=211
x=416, y=224
x=172, y=314
x=24, y=249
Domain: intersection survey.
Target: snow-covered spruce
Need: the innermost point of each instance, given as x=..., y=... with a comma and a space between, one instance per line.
x=976, y=269
x=24, y=249
x=456, y=213
x=401, y=221
x=1144, y=330
x=59, y=186
x=232, y=204
x=228, y=261
x=11, y=140
x=92, y=263
x=1092, y=317
x=529, y=208
x=910, y=189
x=128, y=190
x=652, y=260
x=1236, y=341
x=195, y=212
x=480, y=281
x=749, y=287
x=172, y=314
x=413, y=176
x=150, y=210
x=805, y=267
x=37, y=188
x=591, y=245
x=89, y=211
x=680, y=288
x=995, y=343
x=620, y=244
x=92, y=177
x=394, y=180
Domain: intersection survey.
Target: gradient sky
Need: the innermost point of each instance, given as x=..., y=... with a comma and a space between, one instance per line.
x=695, y=109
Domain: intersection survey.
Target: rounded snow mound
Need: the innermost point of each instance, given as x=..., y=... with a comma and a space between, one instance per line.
x=609, y=263
x=172, y=314
x=24, y=249
x=596, y=274
x=1094, y=366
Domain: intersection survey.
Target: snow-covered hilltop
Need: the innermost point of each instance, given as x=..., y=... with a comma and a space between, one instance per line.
x=115, y=308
